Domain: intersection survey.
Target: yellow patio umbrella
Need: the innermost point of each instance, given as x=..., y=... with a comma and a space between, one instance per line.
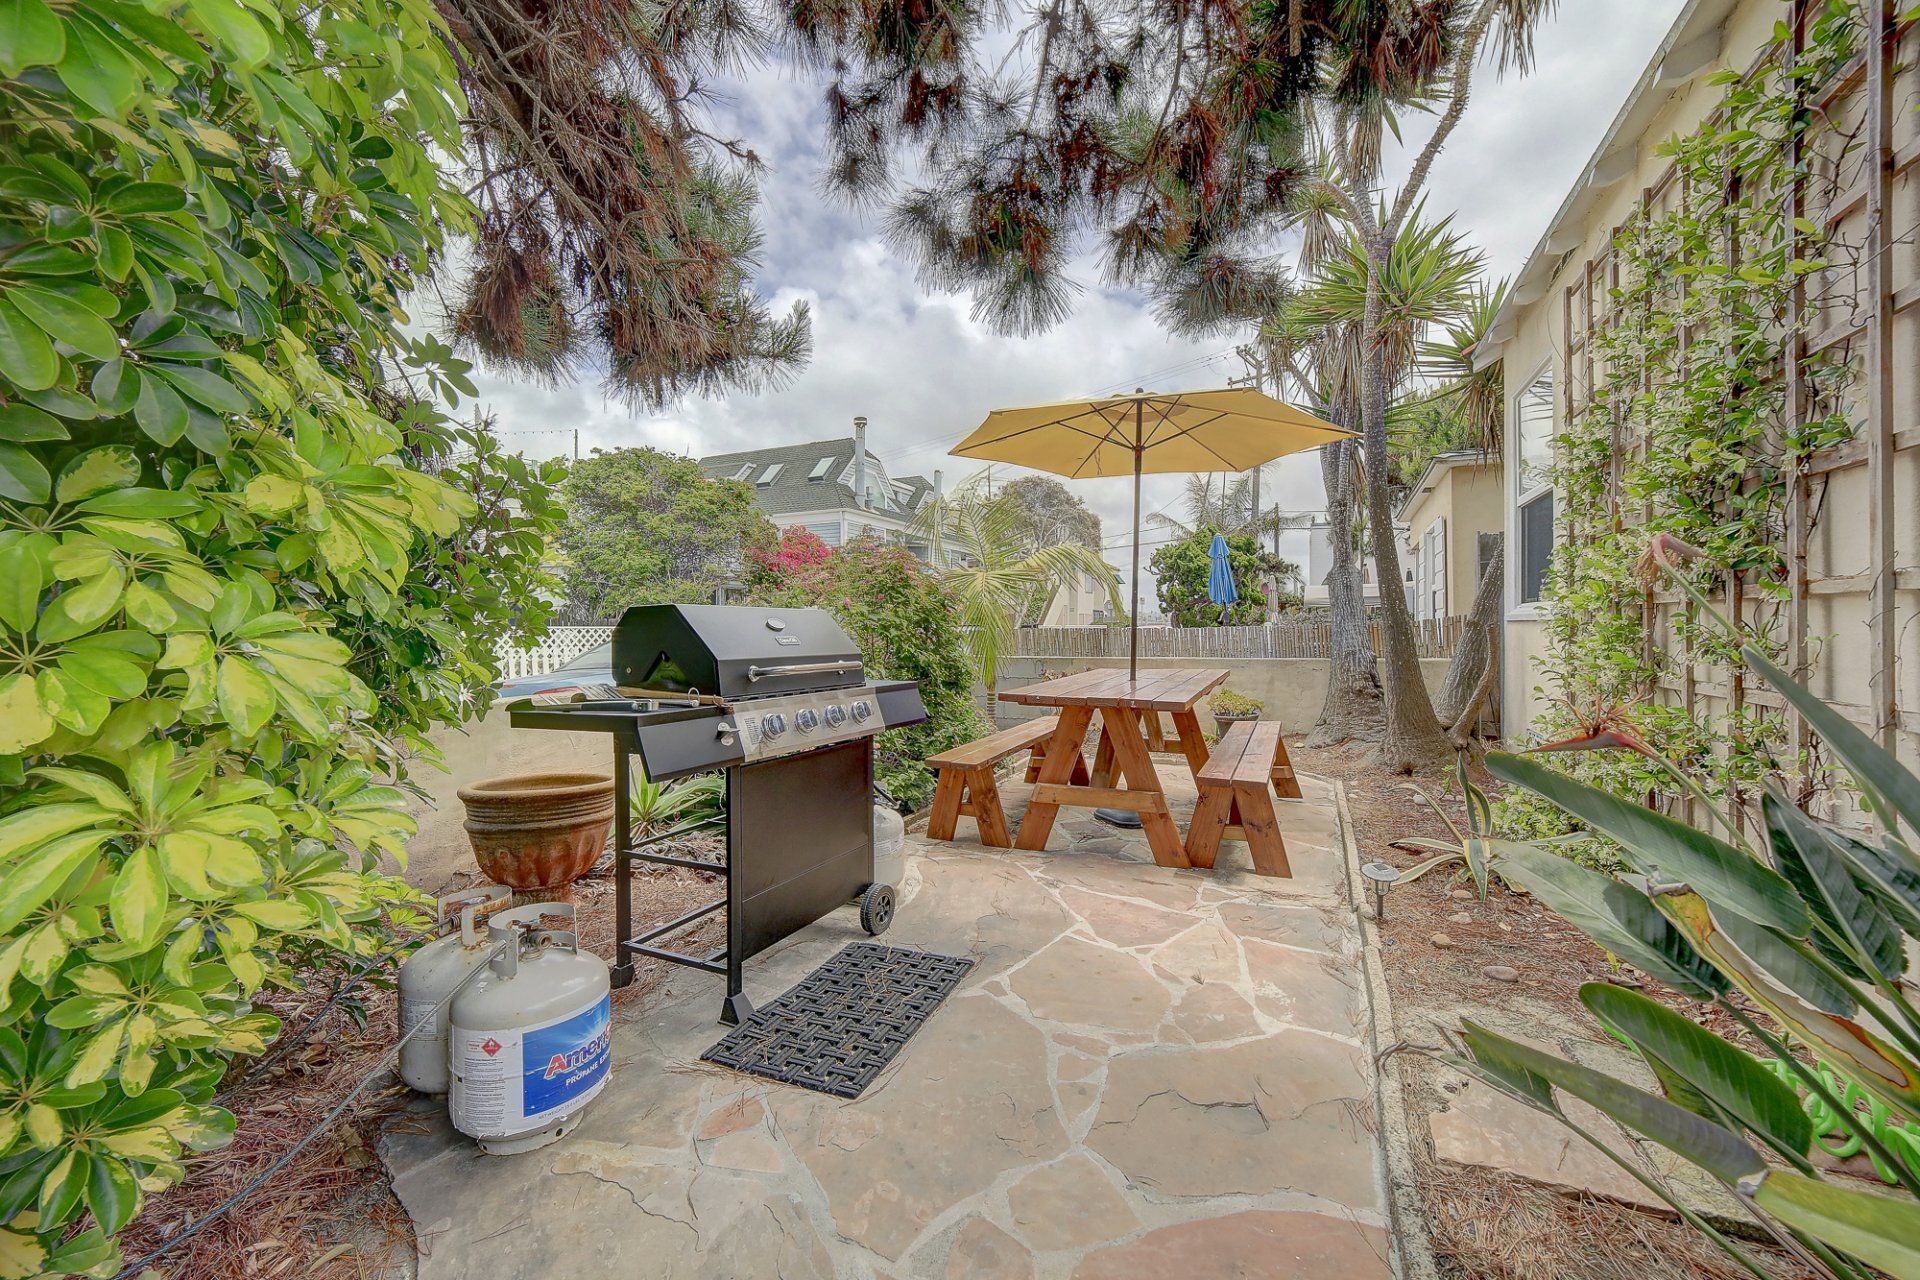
x=1229, y=429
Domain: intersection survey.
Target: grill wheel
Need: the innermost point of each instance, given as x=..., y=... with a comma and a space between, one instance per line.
x=876, y=909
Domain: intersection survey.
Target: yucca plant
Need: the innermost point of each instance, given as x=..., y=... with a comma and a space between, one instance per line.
x=1802, y=939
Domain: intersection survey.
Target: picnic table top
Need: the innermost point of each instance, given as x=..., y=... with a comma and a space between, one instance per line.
x=1172, y=689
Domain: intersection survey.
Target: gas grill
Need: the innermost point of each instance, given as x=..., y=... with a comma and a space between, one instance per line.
x=779, y=699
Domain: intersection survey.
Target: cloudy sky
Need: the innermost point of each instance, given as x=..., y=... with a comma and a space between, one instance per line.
x=925, y=374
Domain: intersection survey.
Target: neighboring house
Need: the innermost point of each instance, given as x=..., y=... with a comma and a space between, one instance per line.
x=835, y=489
x=1085, y=603
x=1847, y=612
x=1456, y=500
x=1313, y=591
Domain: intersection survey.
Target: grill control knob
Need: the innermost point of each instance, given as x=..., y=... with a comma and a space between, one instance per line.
x=774, y=725
x=836, y=715
x=806, y=720
x=862, y=711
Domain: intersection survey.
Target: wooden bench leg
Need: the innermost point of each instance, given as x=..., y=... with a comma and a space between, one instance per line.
x=1285, y=784
x=1035, y=758
x=1262, y=828
x=984, y=793
x=1081, y=778
x=948, y=792
x=1103, y=759
x=1136, y=765
x=1038, y=824
x=1209, y=824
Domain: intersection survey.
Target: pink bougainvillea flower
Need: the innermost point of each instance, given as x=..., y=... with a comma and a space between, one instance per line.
x=1663, y=555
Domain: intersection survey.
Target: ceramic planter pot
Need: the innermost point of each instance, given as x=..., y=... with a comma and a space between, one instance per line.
x=537, y=833
x=1222, y=723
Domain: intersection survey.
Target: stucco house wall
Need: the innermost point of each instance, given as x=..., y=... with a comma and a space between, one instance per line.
x=1675, y=96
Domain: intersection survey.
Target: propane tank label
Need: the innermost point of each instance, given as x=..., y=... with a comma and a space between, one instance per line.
x=413, y=1010
x=513, y=1082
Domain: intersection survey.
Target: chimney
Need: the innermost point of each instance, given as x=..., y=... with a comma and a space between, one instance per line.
x=939, y=487
x=860, y=461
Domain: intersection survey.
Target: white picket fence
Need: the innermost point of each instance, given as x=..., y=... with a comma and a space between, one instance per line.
x=1310, y=637
x=561, y=646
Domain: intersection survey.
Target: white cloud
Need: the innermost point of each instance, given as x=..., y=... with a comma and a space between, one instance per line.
x=925, y=373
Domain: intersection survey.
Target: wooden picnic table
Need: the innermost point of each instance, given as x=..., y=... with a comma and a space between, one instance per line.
x=1130, y=713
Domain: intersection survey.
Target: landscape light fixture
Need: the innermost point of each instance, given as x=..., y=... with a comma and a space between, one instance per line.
x=1381, y=876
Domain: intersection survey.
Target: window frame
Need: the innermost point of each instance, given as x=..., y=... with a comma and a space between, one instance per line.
x=771, y=474
x=1520, y=494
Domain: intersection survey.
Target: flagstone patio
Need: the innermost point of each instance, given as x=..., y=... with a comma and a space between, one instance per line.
x=1148, y=1073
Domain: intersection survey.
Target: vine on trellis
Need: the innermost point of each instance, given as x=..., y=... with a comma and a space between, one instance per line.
x=1687, y=431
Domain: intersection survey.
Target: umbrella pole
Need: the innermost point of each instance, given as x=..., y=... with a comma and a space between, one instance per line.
x=1133, y=617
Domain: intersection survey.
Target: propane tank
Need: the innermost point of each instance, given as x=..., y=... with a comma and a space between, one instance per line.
x=531, y=1039
x=889, y=846
x=429, y=976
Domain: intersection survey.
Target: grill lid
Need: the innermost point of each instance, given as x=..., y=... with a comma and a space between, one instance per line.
x=735, y=651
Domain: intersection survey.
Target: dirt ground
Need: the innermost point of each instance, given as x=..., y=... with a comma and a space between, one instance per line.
x=1440, y=943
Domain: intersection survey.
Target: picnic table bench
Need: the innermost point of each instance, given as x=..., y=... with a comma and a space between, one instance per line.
x=1235, y=802
x=967, y=788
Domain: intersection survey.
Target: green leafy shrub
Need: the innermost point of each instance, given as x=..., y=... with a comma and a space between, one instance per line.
x=648, y=527
x=907, y=627
x=1231, y=702
x=245, y=563
x=1180, y=570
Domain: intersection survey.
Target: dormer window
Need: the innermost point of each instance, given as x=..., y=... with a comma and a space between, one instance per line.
x=821, y=468
x=771, y=474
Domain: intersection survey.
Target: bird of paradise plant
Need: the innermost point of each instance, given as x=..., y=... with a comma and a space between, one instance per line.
x=1802, y=938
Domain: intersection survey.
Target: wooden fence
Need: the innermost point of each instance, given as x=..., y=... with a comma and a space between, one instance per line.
x=1288, y=638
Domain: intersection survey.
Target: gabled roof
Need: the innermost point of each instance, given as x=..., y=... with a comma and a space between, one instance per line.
x=797, y=461
x=1438, y=463
x=1693, y=46
x=792, y=490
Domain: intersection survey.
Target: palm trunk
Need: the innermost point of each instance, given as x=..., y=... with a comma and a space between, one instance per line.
x=1414, y=738
x=1352, y=708
x=1476, y=646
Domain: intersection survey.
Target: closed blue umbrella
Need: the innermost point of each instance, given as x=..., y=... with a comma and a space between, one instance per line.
x=1220, y=587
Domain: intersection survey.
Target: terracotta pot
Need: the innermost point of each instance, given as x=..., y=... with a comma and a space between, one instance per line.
x=537, y=833
x=1222, y=723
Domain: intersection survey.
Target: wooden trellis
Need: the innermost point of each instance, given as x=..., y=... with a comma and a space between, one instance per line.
x=1851, y=512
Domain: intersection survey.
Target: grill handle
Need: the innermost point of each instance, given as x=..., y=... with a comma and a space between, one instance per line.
x=756, y=674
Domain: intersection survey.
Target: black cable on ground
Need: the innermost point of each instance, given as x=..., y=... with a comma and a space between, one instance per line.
x=133, y=1269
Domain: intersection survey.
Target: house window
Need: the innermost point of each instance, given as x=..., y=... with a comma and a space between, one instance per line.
x=1430, y=585
x=746, y=469
x=772, y=473
x=1533, y=485
x=821, y=468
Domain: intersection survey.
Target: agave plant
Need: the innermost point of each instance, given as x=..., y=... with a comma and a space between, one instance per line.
x=1802, y=939
x=660, y=807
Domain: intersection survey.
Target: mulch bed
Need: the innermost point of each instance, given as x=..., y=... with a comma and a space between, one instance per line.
x=1438, y=943
x=330, y=1215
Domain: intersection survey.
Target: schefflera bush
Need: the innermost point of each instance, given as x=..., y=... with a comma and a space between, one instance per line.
x=246, y=562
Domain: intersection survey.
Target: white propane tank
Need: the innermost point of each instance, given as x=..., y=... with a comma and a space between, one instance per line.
x=429, y=976
x=889, y=846
x=531, y=1040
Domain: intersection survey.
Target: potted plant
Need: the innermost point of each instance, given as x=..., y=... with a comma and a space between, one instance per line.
x=537, y=833
x=1229, y=708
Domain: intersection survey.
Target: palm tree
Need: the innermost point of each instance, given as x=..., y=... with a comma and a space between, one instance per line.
x=997, y=572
